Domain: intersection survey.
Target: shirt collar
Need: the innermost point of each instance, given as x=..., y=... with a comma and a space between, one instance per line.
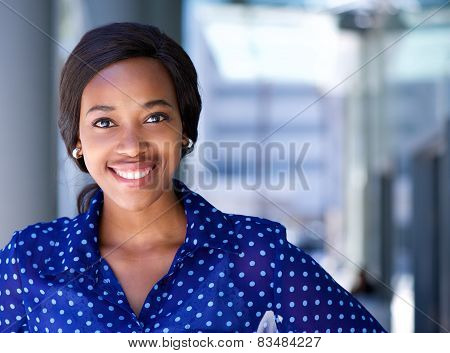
x=206, y=227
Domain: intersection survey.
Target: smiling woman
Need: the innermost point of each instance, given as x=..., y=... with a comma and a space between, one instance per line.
x=136, y=105
x=103, y=88
x=146, y=253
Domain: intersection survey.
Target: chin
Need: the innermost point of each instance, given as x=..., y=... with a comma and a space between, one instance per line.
x=133, y=200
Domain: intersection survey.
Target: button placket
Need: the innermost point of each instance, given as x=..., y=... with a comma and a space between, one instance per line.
x=152, y=313
x=112, y=292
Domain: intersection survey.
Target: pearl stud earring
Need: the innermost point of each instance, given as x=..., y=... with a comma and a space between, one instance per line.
x=75, y=153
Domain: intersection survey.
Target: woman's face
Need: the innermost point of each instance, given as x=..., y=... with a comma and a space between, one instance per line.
x=130, y=122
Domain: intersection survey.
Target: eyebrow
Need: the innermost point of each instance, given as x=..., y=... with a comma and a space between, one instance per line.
x=148, y=105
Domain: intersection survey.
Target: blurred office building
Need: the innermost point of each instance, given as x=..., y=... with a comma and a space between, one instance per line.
x=329, y=116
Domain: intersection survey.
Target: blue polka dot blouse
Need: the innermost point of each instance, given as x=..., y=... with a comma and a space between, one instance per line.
x=233, y=273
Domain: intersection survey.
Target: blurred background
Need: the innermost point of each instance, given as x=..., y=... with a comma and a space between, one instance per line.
x=361, y=89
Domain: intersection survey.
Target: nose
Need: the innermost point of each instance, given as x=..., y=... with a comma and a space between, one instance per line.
x=131, y=143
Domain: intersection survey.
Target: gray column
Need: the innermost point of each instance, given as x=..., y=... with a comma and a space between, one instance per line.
x=28, y=173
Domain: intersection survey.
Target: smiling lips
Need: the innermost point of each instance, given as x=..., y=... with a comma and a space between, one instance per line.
x=133, y=171
x=133, y=175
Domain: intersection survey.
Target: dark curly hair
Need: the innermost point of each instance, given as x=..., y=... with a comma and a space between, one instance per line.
x=108, y=44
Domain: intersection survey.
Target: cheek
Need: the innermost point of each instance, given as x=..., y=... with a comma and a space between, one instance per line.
x=93, y=163
x=169, y=141
x=95, y=153
x=170, y=153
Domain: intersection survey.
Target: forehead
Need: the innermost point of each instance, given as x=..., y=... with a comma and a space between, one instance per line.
x=128, y=82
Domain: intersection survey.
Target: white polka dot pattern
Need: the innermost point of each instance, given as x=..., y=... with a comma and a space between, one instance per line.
x=227, y=275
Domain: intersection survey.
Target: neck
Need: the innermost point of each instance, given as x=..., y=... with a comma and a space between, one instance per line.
x=161, y=225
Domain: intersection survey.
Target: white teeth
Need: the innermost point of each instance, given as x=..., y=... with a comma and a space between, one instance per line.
x=133, y=175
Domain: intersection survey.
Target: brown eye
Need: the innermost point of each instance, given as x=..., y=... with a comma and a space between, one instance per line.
x=158, y=116
x=101, y=120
